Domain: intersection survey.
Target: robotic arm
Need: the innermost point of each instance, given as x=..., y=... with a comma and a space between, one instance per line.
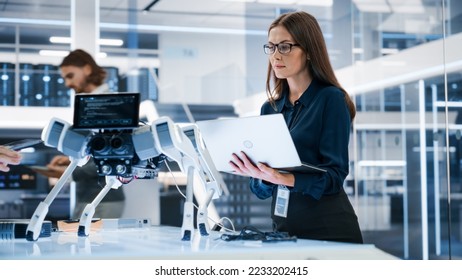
x=215, y=185
x=133, y=159
x=214, y=180
x=53, y=136
x=185, y=146
x=142, y=142
x=79, y=146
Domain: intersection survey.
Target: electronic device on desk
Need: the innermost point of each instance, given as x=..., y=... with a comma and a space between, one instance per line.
x=258, y=137
x=21, y=177
x=112, y=120
x=23, y=143
x=16, y=228
x=105, y=224
x=18, y=178
x=106, y=127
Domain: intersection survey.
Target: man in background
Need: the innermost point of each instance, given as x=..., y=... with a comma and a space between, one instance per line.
x=81, y=73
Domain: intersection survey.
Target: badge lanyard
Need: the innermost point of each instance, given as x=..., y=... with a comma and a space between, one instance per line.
x=283, y=193
x=282, y=201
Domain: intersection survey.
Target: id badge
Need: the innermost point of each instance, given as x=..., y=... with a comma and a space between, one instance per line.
x=282, y=202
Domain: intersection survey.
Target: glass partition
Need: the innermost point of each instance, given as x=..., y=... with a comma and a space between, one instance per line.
x=405, y=147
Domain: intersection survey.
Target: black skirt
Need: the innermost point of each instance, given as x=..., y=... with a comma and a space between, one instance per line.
x=332, y=218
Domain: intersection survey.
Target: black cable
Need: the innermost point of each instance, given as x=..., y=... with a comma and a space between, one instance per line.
x=149, y=6
x=254, y=234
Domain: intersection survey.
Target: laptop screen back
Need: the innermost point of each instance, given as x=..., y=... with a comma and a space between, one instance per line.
x=263, y=138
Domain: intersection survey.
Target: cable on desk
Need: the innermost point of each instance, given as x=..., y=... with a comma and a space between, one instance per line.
x=218, y=224
x=252, y=233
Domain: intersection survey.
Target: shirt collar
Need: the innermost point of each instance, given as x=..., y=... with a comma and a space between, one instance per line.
x=102, y=88
x=305, y=99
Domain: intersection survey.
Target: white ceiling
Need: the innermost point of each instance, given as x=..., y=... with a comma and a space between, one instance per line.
x=197, y=13
x=212, y=13
x=218, y=15
x=423, y=17
x=33, y=17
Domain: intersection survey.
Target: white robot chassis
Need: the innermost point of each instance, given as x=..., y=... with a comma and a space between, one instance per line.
x=162, y=138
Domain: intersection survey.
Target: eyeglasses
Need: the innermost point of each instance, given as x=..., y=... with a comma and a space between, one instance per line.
x=283, y=48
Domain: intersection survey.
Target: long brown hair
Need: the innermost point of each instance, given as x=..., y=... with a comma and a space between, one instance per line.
x=80, y=58
x=306, y=31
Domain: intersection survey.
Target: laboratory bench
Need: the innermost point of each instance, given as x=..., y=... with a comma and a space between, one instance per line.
x=165, y=243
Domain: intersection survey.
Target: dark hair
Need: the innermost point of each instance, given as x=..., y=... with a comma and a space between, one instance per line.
x=306, y=31
x=80, y=58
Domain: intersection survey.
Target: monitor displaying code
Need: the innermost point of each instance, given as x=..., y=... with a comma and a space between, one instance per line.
x=106, y=111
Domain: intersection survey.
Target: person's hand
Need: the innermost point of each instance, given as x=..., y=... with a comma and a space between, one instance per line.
x=55, y=168
x=242, y=165
x=60, y=161
x=58, y=165
x=8, y=156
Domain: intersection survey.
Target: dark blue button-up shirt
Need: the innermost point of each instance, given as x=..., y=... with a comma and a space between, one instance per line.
x=319, y=124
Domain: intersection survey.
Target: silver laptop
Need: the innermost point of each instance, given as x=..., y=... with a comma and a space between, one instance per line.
x=263, y=138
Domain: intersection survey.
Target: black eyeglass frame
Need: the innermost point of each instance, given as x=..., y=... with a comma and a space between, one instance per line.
x=272, y=48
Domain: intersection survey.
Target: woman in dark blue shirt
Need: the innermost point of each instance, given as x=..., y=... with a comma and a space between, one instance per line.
x=302, y=86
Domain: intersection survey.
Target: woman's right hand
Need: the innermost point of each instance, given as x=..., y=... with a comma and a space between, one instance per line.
x=242, y=165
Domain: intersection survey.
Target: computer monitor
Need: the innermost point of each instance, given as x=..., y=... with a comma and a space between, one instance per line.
x=106, y=111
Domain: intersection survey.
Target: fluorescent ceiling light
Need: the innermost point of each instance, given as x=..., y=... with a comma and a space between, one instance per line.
x=64, y=53
x=239, y=1
x=374, y=6
x=186, y=29
x=111, y=42
x=389, y=6
x=53, y=53
x=60, y=40
x=105, y=42
x=282, y=2
x=321, y=3
x=145, y=27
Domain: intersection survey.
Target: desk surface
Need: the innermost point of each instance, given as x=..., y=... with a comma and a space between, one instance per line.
x=161, y=242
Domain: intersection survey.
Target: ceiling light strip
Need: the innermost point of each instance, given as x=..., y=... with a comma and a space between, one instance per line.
x=160, y=28
x=65, y=53
x=35, y=21
x=163, y=28
x=320, y=3
x=104, y=42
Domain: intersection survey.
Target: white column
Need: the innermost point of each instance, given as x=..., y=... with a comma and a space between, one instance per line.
x=423, y=170
x=85, y=25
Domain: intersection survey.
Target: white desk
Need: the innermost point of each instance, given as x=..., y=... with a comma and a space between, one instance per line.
x=161, y=242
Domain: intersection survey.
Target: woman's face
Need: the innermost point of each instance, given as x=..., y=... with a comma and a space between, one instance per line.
x=289, y=65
